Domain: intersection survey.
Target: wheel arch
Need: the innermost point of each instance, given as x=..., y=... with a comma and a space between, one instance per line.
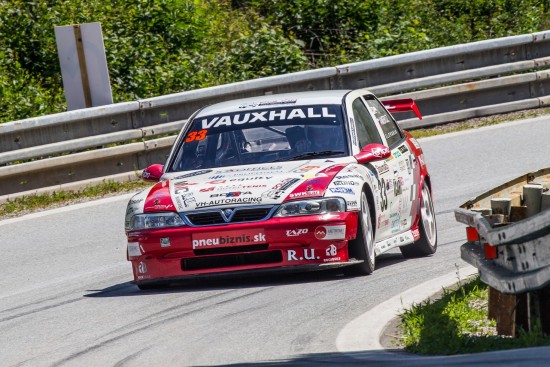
x=372, y=207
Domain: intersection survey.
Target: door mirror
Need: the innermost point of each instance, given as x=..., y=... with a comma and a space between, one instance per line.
x=373, y=152
x=152, y=173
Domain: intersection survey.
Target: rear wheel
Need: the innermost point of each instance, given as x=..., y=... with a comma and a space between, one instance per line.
x=427, y=244
x=362, y=248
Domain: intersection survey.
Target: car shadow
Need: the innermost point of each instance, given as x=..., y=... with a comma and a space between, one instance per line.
x=241, y=280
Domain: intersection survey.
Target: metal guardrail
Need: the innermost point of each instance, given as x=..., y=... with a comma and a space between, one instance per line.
x=478, y=65
x=509, y=244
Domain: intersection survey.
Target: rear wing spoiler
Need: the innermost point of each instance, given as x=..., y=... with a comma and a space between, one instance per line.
x=402, y=105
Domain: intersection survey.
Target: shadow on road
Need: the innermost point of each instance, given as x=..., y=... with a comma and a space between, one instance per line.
x=517, y=357
x=240, y=281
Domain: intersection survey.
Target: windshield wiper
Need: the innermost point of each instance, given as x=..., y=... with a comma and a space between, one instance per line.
x=310, y=155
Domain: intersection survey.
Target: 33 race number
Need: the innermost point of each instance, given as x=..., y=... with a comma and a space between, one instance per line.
x=195, y=136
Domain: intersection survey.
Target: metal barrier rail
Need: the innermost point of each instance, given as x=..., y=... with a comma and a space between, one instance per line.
x=509, y=243
x=96, y=127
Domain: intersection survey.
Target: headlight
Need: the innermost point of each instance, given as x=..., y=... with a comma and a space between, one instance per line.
x=311, y=207
x=155, y=220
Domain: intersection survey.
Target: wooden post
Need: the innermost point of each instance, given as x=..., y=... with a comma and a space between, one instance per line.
x=545, y=201
x=502, y=206
x=532, y=195
x=82, y=63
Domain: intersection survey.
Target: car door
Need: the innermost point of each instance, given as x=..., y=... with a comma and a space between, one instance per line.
x=400, y=188
x=363, y=131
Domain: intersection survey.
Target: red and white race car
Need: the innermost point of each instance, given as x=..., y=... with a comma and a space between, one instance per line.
x=297, y=181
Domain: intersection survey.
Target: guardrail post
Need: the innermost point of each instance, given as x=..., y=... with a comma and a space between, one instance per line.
x=511, y=311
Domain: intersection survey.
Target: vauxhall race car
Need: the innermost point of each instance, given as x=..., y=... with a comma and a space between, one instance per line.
x=298, y=181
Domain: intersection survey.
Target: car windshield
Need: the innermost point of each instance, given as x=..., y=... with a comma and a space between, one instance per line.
x=261, y=136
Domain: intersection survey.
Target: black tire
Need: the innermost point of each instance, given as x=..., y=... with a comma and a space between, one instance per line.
x=427, y=244
x=362, y=247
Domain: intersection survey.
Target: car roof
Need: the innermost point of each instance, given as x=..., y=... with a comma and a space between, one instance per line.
x=320, y=97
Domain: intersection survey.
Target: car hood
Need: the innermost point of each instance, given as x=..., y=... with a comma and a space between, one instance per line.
x=268, y=184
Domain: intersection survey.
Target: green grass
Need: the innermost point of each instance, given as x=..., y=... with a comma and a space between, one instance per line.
x=457, y=323
x=33, y=203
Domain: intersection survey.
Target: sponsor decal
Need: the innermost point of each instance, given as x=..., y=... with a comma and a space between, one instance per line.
x=342, y=190
x=382, y=221
x=296, y=232
x=395, y=219
x=353, y=132
x=238, y=200
x=197, y=173
x=232, y=194
x=179, y=203
x=254, y=169
x=331, y=232
x=135, y=201
x=416, y=234
x=269, y=115
x=389, y=186
x=279, y=189
x=217, y=177
x=415, y=143
x=383, y=120
x=307, y=254
x=165, y=242
x=305, y=169
x=382, y=168
x=403, y=149
x=250, y=179
x=188, y=199
x=347, y=177
x=142, y=268
x=162, y=206
x=379, y=152
x=402, y=166
x=268, y=103
x=305, y=194
x=352, y=203
x=228, y=238
x=345, y=183
x=331, y=250
x=134, y=249
x=396, y=154
x=391, y=134
x=235, y=187
x=207, y=189
x=398, y=186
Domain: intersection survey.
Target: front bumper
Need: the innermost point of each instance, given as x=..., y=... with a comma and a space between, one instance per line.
x=277, y=244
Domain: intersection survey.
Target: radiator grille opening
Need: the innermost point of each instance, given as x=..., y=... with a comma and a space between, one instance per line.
x=211, y=262
x=230, y=250
x=240, y=215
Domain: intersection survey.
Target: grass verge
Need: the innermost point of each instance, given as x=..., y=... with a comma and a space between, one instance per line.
x=457, y=323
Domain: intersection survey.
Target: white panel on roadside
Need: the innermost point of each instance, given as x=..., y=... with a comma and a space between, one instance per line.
x=87, y=87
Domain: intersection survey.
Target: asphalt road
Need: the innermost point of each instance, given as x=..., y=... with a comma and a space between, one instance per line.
x=66, y=297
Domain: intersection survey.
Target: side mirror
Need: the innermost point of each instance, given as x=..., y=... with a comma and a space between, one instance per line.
x=152, y=173
x=372, y=152
x=402, y=105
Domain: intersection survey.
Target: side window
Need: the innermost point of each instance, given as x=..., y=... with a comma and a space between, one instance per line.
x=390, y=129
x=367, y=133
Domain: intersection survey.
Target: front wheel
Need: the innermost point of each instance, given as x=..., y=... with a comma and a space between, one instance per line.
x=362, y=248
x=427, y=244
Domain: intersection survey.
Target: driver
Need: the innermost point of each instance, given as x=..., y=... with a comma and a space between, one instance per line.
x=324, y=137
